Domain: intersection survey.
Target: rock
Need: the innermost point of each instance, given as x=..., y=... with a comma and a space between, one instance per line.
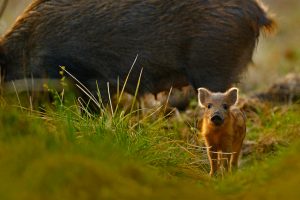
x=286, y=90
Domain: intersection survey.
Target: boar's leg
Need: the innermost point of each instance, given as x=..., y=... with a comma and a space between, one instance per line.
x=213, y=159
x=226, y=148
x=237, y=146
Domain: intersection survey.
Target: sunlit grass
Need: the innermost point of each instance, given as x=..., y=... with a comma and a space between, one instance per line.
x=60, y=153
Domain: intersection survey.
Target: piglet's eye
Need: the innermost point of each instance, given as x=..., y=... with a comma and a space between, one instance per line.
x=209, y=106
x=225, y=106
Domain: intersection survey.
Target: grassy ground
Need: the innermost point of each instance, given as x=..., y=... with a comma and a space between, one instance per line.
x=60, y=154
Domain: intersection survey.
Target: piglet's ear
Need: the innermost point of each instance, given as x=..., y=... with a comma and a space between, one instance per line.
x=232, y=96
x=203, y=95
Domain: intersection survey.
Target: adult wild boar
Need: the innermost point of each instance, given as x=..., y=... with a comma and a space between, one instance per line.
x=206, y=43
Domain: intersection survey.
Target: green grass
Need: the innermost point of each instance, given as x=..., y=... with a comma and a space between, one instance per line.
x=61, y=154
x=273, y=178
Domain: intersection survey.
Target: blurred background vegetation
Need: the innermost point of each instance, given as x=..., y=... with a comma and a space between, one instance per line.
x=13, y=9
x=278, y=54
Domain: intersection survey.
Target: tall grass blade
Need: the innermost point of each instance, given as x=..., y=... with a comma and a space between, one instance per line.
x=13, y=83
x=136, y=90
x=125, y=83
x=110, y=102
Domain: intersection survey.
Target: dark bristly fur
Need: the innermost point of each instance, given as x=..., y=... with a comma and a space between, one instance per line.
x=206, y=43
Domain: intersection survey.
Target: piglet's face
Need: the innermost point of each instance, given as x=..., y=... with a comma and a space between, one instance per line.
x=217, y=105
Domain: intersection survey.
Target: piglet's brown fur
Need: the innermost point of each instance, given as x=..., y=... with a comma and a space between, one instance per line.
x=223, y=128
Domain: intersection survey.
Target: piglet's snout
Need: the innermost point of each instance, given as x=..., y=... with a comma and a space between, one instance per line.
x=217, y=119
